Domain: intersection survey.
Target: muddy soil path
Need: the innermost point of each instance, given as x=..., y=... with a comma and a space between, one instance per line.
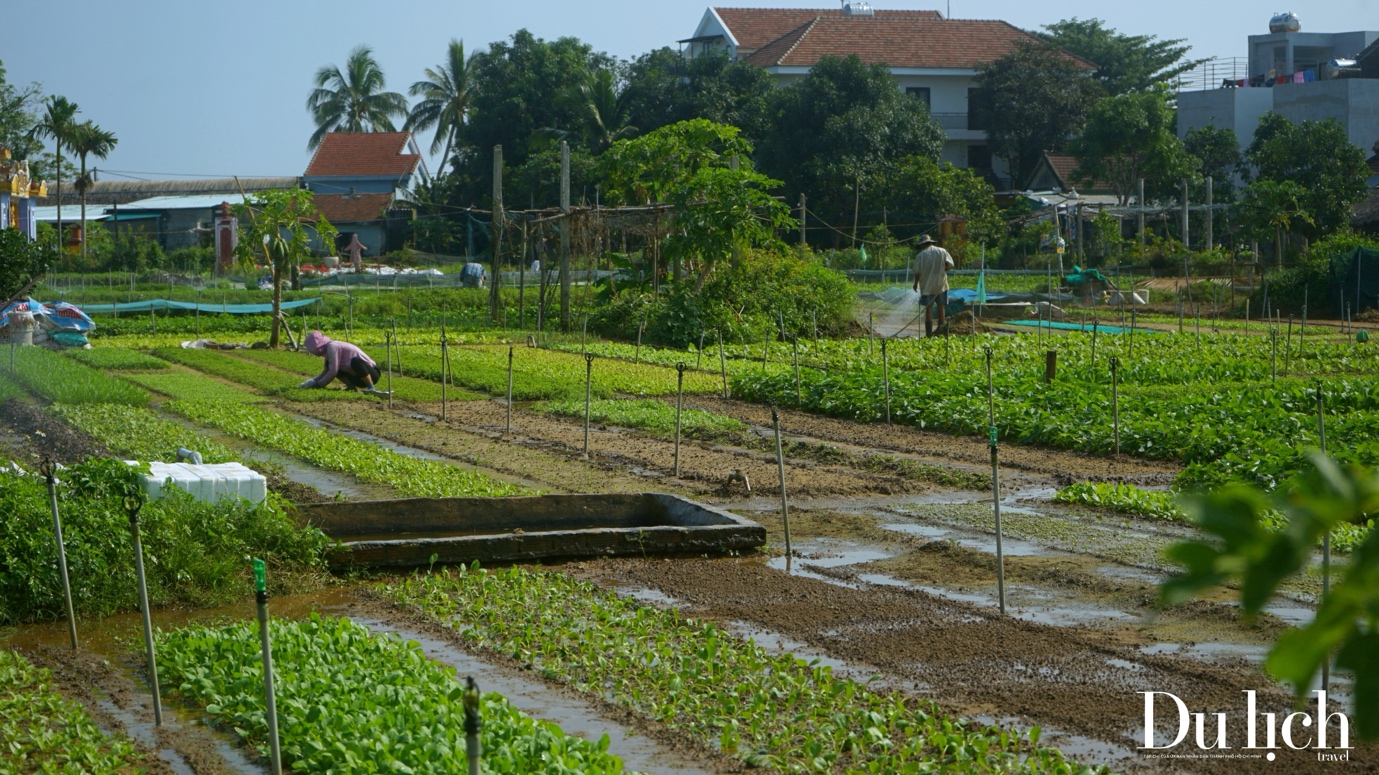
x=968, y=452
x=39, y=435
x=1075, y=681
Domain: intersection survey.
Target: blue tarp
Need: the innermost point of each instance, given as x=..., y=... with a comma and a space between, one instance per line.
x=1076, y=326
x=166, y=304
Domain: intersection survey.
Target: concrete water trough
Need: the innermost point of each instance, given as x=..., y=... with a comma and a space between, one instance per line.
x=407, y=533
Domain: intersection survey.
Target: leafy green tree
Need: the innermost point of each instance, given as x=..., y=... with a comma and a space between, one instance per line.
x=17, y=117
x=929, y=190
x=840, y=130
x=1034, y=99
x=1128, y=137
x=651, y=168
x=353, y=100
x=57, y=123
x=1245, y=552
x=663, y=88
x=87, y=139
x=598, y=112
x=1217, y=151
x=279, y=227
x=445, y=97
x=1319, y=157
x=1124, y=63
x=21, y=261
x=1272, y=209
x=518, y=87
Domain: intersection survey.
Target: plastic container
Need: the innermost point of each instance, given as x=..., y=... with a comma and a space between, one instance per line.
x=207, y=483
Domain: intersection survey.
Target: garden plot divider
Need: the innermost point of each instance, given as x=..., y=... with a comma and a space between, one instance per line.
x=419, y=532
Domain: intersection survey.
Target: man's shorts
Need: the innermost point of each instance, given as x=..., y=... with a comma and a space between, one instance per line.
x=940, y=298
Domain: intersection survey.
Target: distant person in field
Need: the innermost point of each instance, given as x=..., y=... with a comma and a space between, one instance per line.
x=931, y=283
x=472, y=275
x=343, y=360
x=355, y=250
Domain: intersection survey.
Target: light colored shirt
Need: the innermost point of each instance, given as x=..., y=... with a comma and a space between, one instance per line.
x=338, y=356
x=931, y=267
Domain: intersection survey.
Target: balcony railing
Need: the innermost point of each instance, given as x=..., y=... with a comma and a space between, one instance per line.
x=951, y=121
x=1214, y=74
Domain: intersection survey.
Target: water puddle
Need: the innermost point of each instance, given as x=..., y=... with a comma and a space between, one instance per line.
x=1010, y=547
x=574, y=716
x=1078, y=747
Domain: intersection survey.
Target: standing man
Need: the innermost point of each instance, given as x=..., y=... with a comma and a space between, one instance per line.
x=931, y=282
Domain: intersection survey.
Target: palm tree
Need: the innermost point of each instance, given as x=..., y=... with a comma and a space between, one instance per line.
x=445, y=99
x=604, y=111
x=353, y=100
x=56, y=123
x=87, y=139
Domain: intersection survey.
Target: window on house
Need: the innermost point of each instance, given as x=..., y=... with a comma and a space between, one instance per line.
x=922, y=92
x=979, y=158
x=976, y=109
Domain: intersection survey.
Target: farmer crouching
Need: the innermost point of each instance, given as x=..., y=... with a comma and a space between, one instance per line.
x=343, y=360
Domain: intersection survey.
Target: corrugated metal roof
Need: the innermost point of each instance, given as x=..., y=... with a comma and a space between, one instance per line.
x=106, y=192
x=197, y=202
x=70, y=214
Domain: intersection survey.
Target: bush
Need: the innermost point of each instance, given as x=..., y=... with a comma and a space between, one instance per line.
x=1310, y=278
x=744, y=302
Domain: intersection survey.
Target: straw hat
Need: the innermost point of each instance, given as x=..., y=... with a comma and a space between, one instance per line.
x=926, y=241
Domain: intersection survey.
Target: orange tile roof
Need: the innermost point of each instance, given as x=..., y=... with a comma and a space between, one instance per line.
x=363, y=154
x=896, y=42
x=755, y=27
x=352, y=208
x=1064, y=167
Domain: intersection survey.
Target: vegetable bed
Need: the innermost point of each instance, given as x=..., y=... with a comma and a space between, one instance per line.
x=254, y=375
x=62, y=380
x=42, y=731
x=404, y=388
x=337, y=452
x=770, y=711
x=116, y=358
x=139, y=434
x=655, y=417
x=350, y=701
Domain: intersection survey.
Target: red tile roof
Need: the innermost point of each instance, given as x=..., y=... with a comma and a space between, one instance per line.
x=363, y=154
x=897, y=42
x=755, y=27
x=352, y=208
x=1064, y=167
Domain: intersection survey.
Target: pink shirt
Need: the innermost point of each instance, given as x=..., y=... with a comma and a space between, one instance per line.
x=338, y=356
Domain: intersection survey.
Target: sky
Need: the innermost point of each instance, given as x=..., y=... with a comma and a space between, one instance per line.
x=206, y=89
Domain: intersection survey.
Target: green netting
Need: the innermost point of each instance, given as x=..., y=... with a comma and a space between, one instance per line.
x=167, y=304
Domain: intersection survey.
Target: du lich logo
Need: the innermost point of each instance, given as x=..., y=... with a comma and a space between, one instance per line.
x=1264, y=732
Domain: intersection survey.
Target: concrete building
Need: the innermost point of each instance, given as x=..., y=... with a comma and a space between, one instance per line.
x=933, y=58
x=1303, y=76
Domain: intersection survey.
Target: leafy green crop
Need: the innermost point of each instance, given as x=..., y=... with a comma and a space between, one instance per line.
x=193, y=551
x=194, y=387
x=404, y=388
x=350, y=701
x=776, y=712
x=369, y=462
x=116, y=359
x=139, y=434
x=254, y=375
x=656, y=417
x=41, y=731
x=63, y=380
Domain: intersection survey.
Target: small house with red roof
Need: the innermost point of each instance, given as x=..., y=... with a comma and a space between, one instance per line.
x=933, y=58
x=356, y=178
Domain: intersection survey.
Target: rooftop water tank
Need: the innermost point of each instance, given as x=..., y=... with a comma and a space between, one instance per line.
x=857, y=8
x=1285, y=22
x=1342, y=68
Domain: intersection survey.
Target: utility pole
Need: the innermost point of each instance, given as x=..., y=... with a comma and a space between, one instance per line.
x=804, y=214
x=496, y=242
x=1140, y=218
x=1211, y=216
x=1186, y=240
x=565, y=236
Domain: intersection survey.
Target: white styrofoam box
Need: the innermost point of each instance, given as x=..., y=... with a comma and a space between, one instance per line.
x=208, y=483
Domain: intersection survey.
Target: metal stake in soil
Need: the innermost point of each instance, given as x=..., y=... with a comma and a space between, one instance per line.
x=508, y=428
x=473, y=725
x=699, y=354
x=265, y=644
x=584, y=336
x=388, y=345
x=765, y=349
x=588, y=381
x=679, y=405
x=722, y=361
x=1288, y=347
x=795, y=353
x=133, y=504
x=50, y=476
x=885, y=378
x=1115, y=403
x=640, y=327
x=784, y=504
x=445, y=377
x=995, y=485
x=1326, y=539
x=397, y=346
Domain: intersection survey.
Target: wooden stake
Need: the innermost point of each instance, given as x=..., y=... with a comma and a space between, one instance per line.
x=995, y=484
x=784, y=504
x=679, y=406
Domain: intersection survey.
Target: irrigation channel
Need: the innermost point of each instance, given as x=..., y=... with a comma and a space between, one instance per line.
x=892, y=582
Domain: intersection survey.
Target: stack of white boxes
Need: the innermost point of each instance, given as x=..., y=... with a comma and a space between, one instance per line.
x=207, y=483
